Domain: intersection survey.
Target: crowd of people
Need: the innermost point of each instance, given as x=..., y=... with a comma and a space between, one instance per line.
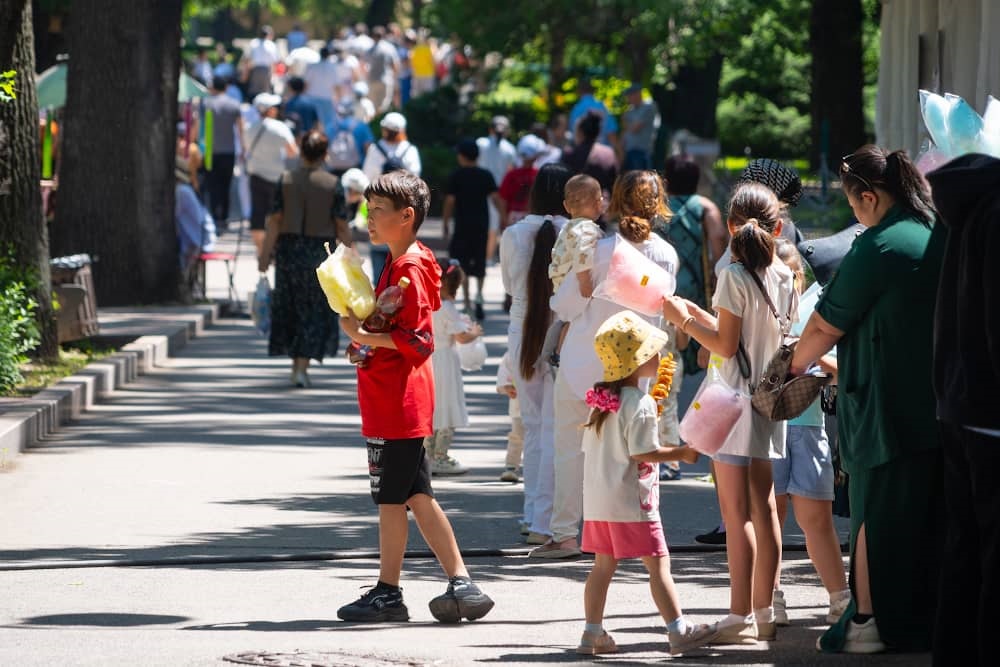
x=558, y=203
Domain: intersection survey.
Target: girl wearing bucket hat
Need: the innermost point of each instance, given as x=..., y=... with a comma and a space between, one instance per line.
x=621, y=488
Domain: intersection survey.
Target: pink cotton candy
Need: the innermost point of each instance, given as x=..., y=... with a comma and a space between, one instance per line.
x=635, y=282
x=711, y=418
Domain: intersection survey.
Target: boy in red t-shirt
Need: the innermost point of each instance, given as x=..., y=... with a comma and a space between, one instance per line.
x=396, y=397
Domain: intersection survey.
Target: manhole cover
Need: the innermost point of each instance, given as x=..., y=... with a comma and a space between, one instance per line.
x=321, y=659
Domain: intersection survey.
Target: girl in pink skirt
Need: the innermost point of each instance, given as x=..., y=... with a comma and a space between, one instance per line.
x=621, y=497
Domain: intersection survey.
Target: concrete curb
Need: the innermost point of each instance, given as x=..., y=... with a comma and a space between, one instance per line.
x=24, y=423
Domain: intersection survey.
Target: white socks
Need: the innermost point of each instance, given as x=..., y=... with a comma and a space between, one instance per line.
x=596, y=629
x=679, y=624
x=764, y=615
x=840, y=595
x=736, y=619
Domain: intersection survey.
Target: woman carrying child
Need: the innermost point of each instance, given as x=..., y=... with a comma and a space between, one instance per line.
x=621, y=503
x=742, y=465
x=637, y=200
x=449, y=396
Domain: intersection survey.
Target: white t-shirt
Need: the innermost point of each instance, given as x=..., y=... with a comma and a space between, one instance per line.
x=579, y=362
x=267, y=157
x=616, y=488
x=737, y=293
x=263, y=53
x=321, y=78
x=496, y=158
x=404, y=150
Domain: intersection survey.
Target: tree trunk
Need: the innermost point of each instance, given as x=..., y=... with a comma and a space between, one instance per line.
x=416, y=9
x=838, y=79
x=50, y=40
x=380, y=12
x=21, y=222
x=691, y=103
x=116, y=195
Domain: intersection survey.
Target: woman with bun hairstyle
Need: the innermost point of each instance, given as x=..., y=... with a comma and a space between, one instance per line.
x=879, y=311
x=637, y=201
x=525, y=253
x=755, y=277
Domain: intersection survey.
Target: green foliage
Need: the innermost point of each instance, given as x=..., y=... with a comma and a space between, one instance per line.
x=18, y=331
x=754, y=121
x=8, y=91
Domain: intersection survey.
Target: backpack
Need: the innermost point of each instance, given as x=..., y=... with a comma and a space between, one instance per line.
x=343, y=151
x=392, y=162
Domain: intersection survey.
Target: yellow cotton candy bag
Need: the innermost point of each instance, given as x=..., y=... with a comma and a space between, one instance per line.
x=345, y=284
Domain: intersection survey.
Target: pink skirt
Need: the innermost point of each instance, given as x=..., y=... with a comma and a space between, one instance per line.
x=624, y=539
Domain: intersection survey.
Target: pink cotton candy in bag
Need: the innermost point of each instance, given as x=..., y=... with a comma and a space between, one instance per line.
x=713, y=415
x=634, y=281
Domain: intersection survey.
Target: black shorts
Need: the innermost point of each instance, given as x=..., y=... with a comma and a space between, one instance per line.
x=398, y=470
x=261, y=200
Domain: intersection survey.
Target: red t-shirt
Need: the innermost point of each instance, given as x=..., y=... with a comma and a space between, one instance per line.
x=516, y=188
x=396, y=388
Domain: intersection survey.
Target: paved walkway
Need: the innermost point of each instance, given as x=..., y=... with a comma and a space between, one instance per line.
x=246, y=501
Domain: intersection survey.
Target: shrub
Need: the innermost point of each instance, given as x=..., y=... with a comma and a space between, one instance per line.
x=18, y=332
x=769, y=130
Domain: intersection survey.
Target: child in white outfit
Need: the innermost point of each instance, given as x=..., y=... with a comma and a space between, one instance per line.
x=621, y=513
x=450, y=327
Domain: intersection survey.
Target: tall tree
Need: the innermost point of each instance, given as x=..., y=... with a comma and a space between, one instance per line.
x=21, y=222
x=835, y=39
x=116, y=194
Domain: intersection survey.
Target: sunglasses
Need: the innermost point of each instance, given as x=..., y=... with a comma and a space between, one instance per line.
x=845, y=169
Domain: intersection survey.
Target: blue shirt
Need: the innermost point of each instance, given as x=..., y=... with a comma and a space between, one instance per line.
x=586, y=103
x=303, y=111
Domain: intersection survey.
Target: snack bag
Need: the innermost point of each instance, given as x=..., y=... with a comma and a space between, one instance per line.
x=345, y=284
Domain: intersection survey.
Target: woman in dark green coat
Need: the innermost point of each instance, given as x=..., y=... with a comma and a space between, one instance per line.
x=879, y=311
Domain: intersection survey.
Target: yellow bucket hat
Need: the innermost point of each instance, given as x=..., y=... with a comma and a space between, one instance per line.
x=625, y=342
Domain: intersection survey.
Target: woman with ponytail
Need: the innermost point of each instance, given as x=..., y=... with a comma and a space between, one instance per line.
x=747, y=287
x=525, y=252
x=879, y=311
x=638, y=199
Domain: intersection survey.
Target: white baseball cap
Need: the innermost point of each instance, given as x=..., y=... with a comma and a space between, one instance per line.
x=265, y=101
x=394, y=122
x=354, y=179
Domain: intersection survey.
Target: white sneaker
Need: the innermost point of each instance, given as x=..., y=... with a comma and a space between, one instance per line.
x=693, y=637
x=447, y=466
x=300, y=379
x=837, y=609
x=863, y=638
x=780, y=609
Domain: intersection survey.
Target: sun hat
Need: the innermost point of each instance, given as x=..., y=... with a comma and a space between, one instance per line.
x=530, y=146
x=500, y=123
x=783, y=180
x=394, y=122
x=265, y=101
x=625, y=342
x=360, y=88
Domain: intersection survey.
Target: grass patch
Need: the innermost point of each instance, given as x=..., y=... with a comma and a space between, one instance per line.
x=39, y=375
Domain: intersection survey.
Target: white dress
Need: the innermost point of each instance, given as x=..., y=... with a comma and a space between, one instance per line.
x=449, y=395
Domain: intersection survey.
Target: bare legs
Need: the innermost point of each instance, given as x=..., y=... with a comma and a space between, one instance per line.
x=753, y=536
x=816, y=520
x=661, y=585
x=436, y=531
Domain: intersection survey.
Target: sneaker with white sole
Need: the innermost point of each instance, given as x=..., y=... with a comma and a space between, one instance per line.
x=736, y=633
x=861, y=638
x=837, y=609
x=463, y=599
x=537, y=538
x=509, y=474
x=591, y=644
x=694, y=636
x=447, y=466
x=780, y=609
x=555, y=550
